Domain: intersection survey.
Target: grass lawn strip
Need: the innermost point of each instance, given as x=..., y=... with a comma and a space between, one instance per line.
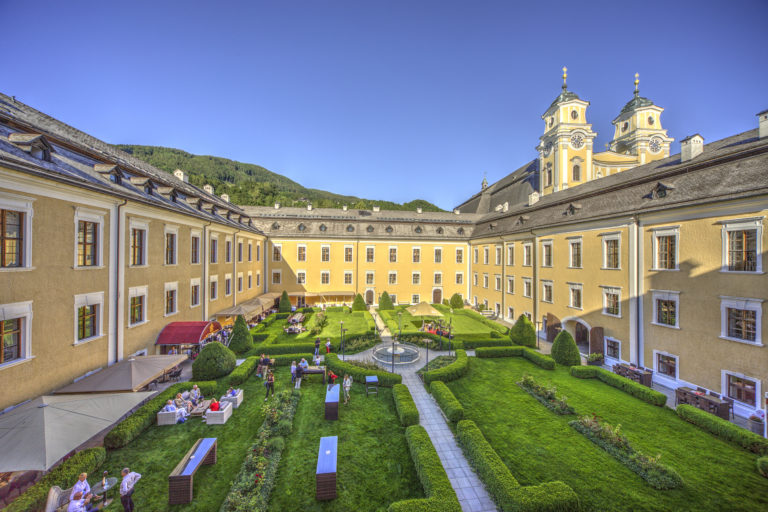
x=538, y=446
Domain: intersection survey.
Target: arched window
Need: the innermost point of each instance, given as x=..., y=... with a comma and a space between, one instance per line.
x=576, y=172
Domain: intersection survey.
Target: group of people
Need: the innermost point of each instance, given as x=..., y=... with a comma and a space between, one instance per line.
x=327, y=346
x=183, y=407
x=81, y=499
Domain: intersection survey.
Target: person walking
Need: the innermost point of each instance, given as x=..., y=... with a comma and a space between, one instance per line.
x=270, y=384
x=317, y=346
x=293, y=372
x=299, y=373
x=347, y=387
x=328, y=345
x=127, y=487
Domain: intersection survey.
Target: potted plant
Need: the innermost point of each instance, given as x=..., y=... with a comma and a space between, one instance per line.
x=756, y=423
x=595, y=359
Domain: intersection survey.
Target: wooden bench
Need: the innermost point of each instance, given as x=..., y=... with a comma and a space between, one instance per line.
x=332, y=402
x=325, y=476
x=180, y=481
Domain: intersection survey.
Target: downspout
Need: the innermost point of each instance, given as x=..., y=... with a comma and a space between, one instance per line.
x=119, y=286
x=205, y=285
x=636, y=291
x=234, y=267
x=535, y=284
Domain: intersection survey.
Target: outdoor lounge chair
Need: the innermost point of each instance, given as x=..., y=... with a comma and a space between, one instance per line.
x=234, y=400
x=219, y=417
x=58, y=498
x=166, y=418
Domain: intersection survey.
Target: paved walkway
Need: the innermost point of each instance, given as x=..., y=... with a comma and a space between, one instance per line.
x=469, y=489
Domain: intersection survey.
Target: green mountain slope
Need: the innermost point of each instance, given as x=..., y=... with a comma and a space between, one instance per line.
x=250, y=184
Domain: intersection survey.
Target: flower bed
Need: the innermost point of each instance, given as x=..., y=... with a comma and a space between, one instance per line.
x=610, y=439
x=546, y=395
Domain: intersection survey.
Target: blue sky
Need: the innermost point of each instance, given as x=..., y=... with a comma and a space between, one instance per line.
x=391, y=100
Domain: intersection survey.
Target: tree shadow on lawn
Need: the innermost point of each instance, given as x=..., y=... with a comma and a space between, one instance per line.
x=539, y=446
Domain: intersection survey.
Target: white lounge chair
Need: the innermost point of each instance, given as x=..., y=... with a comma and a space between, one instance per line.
x=219, y=417
x=234, y=400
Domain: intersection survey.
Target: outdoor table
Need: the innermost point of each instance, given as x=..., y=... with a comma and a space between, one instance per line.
x=201, y=408
x=705, y=402
x=97, y=489
x=371, y=384
x=332, y=402
x=315, y=370
x=325, y=476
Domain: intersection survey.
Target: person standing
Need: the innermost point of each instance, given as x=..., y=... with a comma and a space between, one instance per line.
x=328, y=345
x=347, y=387
x=293, y=372
x=299, y=373
x=270, y=384
x=317, y=346
x=127, y=487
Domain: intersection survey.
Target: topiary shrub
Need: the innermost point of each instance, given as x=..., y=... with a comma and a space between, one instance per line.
x=456, y=301
x=523, y=332
x=242, y=372
x=359, y=303
x=241, y=340
x=447, y=401
x=565, y=351
x=406, y=408
x=385, y=302
x=762, y=466
x=214, y=361
x=285, y=303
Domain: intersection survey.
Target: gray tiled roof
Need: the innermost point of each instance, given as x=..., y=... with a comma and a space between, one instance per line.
x=512, y=189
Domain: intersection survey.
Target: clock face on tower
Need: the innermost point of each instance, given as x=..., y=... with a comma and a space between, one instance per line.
x=655, y=145
x=577, y=141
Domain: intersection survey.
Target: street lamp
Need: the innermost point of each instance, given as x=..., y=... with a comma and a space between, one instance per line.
x=341, y=342
x=538, y=326
x=427, y=341
x=400, y=324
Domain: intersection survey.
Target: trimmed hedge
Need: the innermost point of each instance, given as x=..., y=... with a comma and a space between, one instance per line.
x=523, y=332
x=339, y=367
x=453, y=371
x=242, y=372
x=258, y=338
x=441, y=342
x=287, y=359
x=440, y=494
x=565, y=351
x=533, y=356
x=292, y=348
x=214, y=361
x=490, y=342
x=445, y=398
x=502, y=485
x=617, y=381
x=282, y=315
x=63, y=475
x=132, y=426
x=406, y=408
x=539, y=359
x=723, y=429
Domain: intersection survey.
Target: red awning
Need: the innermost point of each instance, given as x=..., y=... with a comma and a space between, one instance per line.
x=186, y=333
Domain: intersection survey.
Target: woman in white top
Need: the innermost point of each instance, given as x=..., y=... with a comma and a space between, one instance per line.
x=347, y=386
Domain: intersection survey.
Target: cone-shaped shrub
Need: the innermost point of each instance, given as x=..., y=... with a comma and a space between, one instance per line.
x=523, y=332
x=241, y=340
x=456, y=301
x=565, y=351
x=359, y=303
x=385, y=302
x=214, y=361
x=285, y=303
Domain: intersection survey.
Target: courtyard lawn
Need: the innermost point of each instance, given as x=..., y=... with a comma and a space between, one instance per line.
x=539, y=446
x=158, y=450
x=358, y=322
x=374, y=464
x=465, y=323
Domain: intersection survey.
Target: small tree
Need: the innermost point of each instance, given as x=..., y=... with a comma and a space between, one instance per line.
x=565, y=351
x=214, y=361
x=285, y=303
x=241, y=340
x=359, y=303
x=385, y=302
x=446, y=303
x=523, y=332
x=456, y=301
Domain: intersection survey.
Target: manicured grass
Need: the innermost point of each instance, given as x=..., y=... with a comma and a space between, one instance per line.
x=374, y=466
x=539, y=446
x=464, y=322
x=354, y=323
x=157, y=451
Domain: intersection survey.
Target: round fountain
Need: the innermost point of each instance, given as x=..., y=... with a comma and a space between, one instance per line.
x=401, y=354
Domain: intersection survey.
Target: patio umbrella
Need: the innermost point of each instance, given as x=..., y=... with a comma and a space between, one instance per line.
x=36, y=434
x=129, y=374
x=423, y=309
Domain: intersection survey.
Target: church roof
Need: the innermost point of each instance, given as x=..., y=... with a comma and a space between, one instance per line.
x=564, y=96
x=635, y=103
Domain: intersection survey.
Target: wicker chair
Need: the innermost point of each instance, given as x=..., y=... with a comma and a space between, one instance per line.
x=57, y=498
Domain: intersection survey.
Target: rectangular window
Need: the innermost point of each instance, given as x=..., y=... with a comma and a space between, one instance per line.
x=575, y=254
x=438, y=255
x=347, y=277
x=240, y=252
x=214, y=290
x=170, y=248
x=498, y=255
x=475, y=256
x=611, y=302
x=258, y=280
x=575, y=296
x=258, y=252
x=742, y=250
x=301, y=253
x=459, y=255
x=239, y=283
x=393, y=254
x=546, y=289
x=227, y=251
x=87, y=322
x=666, y=365
x=10, y=333
x=546, y=254
x=194, y=294
x=510, y=285
x=87, y=244
x=459, y=278
x=369, y=277
x=510, y=312
x=195, y=250
x=325, y=253
x=414, y=299
x=277, y=254
x=227, y=286
x=138, y=241
x=325, y=277
x=485, y=280
x=486, y=255
x=301, y=277
x=250, y=251
x=527, y=287
x=497, y=283
x=416, y=255
x=347, y=254
x=742, y=324
x=415, y=278
x=137, y=309
x=611, y=253
x=214, y=250
x=741, y=389
x=613, y=349
x=276, y=277
x=393, y=278
x=438, y=278
x=250, y=280
x=666, y=252
x=510, y=255
x=394, y=299
x=527, y=255
x=11, y=239
x=666, y=312
x=369, y=254
x=170, y=302
x=474, y=279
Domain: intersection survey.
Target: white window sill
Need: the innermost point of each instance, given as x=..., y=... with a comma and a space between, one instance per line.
x=137, y=324
x=213, y=299
x=87, y=340
x=613, y=316
x=88, y=267
x=193, y=263
x=547, y=301
x=753, y=273
x=546, y=266
x=576, y=307
x=666, y=325
x=15, y=362
x=745, y=342
x=526, y=296
x=170, y=264
x=577, y=268
x=610, y=268
x=16, y=269
x=665, y=270
x=170, y=314
x=138, y=266
x=195, y=305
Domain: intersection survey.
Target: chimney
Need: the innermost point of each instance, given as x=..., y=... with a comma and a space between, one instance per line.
x=691, y=147
x=762, y=131
x=181, y=175
x=208, y=188
x=418, y=210
x=277, y=206
x=377, y=208
x=456, y=211
x=225, y=197
x=344, y=207
x=533, y=198
x=309, y=206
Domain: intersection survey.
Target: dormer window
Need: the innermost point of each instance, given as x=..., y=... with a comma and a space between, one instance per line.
x=323, y=227
x=369, y=229
x=302, y=227
x=109, y=171
x=33, y=143
x=350, y=228
x=275, y=225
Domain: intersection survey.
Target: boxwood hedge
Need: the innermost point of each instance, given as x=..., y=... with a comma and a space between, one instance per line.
x=723, y=429
x=287, y=348
x=242, y=372
x=438, y=342
x=490, y=342
x=453, y=371
x=339, y=367
x=440, y=494
x=617, y=381
x=502, y=485
x=406, y=408
x=287, y=359
x=64, y=475
x=533, y=356
x=445, y=398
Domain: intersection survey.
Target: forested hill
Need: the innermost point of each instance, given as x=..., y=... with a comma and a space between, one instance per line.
x=250, y=184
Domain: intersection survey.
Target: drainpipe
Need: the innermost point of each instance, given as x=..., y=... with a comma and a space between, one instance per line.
x=535, y=283
x=234, y=267
x=119, y=286
x=204, y=284
x=636, y=291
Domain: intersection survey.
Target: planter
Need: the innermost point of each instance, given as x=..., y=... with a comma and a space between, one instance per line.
x=755, y=426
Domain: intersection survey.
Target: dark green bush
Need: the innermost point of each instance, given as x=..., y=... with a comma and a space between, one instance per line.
x=358, y=374
x=307, y=310
x=456, y=301
x=359, y=303
x=631, y=387
x=523, y=332
x=242, y=372
x=437, y=343
x=287, y=359
x=453, y=371
x=762, y=466
x=257, y=338
x=282, y=316
x=565, y=351
x=241, y=340
x=285, y=348
x=385, y=302
x=406, y=408
x=724, y=429
x=469, y=344
x=214, y=361
x=440, y=494
x=539, y=359
x=285, y=303
x=354, y=343
x=445, y=398
x=64, y=475
x=502, y=485
x=483, y=352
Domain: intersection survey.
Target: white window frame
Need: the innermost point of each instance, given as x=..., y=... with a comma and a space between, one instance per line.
x=755, y=305
x=298, y=248
x=198, y=235
x=435, y=280
x=497, y=309
x=499, y=255
x=486, y=281
x=510, y=255
x=239, y=250
x=239, y=279
x=322, y=247
x=434, y=255
x=476, y=257
x=740, y=225
x=510, y=313
x=603, y=242
x=389, y=253
x=138, y=291
x=390, y=275
x=544, y=284
x=192, y=283
x=663, y=378
x=612, y=360
x=417, y=297
x=90, y=299
x=250, y=251
x=173, y=230
x=544, y=245
x=325, y=273
x=227, y=279
x=213, y=279
x=21, y=310
x=351, y=254
x=87, y=215
x=413, y=249
x=250, y=279
x=459, y=278
x=228, y=244
x=665, y=231
x=414, y=275
x=279, y=248
x=527, y=283
x=497, y=284
x=486, y=255
x=666, y=295
x=140, y=225
x=571, y=288
x=372, y=275
x=474, y=279
x=24, y=205
x=394, y=298
x=172, y=286
x=612, y=290
x=373, y=254
x=571, y=243
x=351, y=278
x=459, y=256
x=741, y=408
x=278, y=273
x=511, y=285
x=213, y=241
x=527, y=254
x=301, y=273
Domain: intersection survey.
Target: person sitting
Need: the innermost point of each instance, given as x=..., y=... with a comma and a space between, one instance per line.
x=180, y=403
x=215, y=405
x=231, y=392
x=80, y=504
x=332, y=377
x=195, y=396
x=181, y=412
x=316, y=360
x=303, y=363
x=81, y=486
